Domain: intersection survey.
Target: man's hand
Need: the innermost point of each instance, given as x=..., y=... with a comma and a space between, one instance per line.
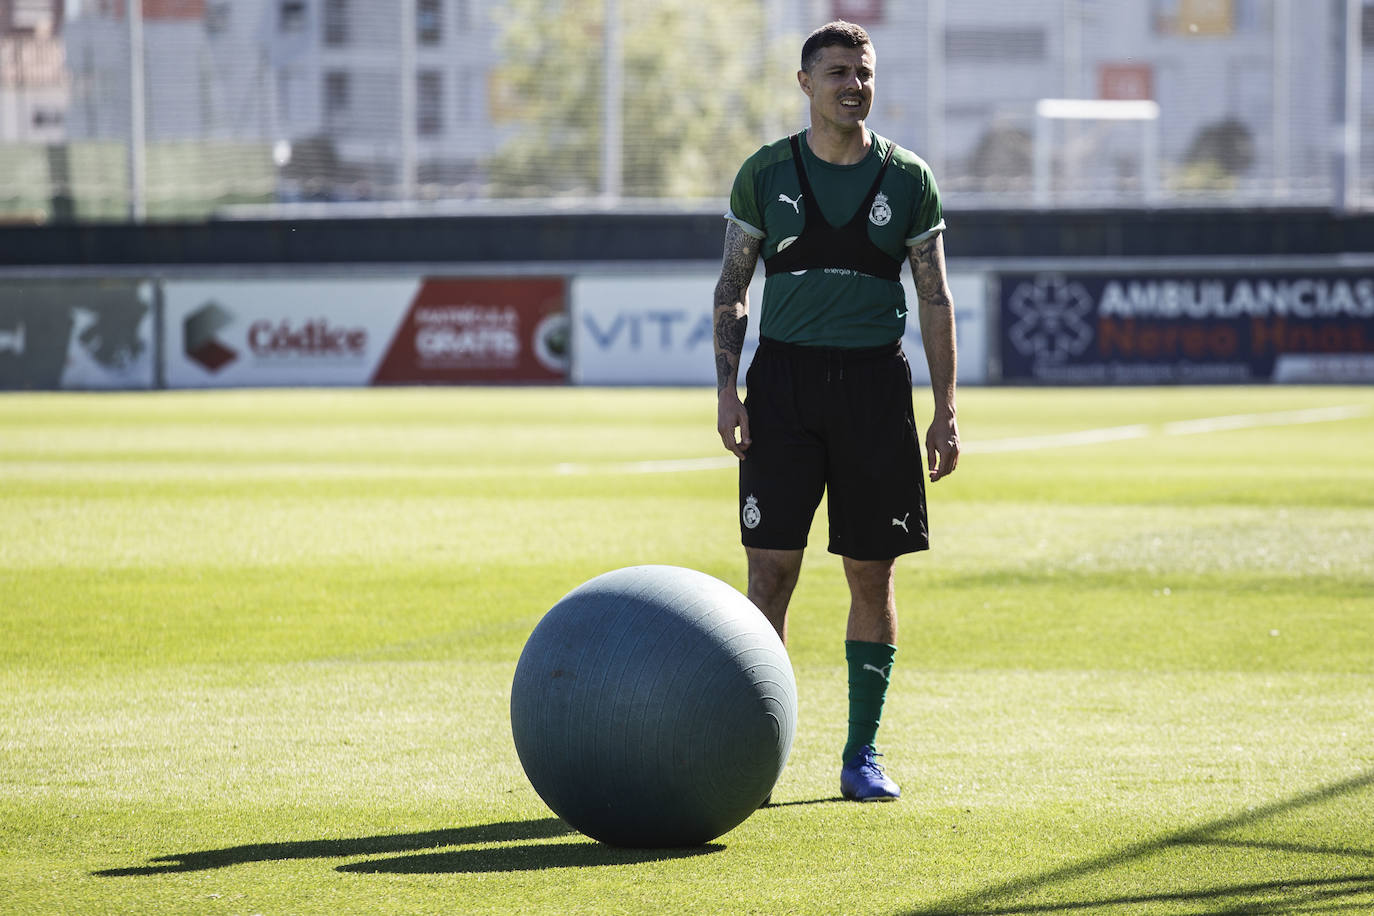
x=942, y=354
x=731, y=417
x=942, y=445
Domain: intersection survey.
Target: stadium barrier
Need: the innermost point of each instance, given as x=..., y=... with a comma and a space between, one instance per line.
x=88, y=333
x=635, y=327
x=253, y=330
x=647, y=325
x=1246, y=323
x=1043, y=297
x=1027, y=322
x=511, y=233
x=356, y=331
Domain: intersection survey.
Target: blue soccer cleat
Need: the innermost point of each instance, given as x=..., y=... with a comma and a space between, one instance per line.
x=862, y=779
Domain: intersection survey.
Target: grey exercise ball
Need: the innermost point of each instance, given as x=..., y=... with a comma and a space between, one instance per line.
x=653, y=706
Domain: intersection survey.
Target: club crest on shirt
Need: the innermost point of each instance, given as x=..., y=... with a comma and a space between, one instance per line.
x=880, y=214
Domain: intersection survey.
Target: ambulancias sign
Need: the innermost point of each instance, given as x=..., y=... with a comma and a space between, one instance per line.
x=1215, y=326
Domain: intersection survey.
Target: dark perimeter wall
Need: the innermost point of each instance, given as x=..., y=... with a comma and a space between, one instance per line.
x=669, y=237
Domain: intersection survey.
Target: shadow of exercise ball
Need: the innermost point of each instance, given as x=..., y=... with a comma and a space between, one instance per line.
x=653, y=706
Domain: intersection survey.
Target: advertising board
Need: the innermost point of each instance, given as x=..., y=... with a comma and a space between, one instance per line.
x=479, y=329
x=249, y=333
x=1223, y=326
x=338, y=331
x=77, y=334
x=646, y=329
x=969, y=291
x=655, y=329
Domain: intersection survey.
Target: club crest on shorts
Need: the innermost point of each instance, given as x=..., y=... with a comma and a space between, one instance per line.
x=751, y=514
x=880, y=214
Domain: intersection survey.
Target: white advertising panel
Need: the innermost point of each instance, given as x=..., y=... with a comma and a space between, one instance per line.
x=646, y=329
x=970, y=330
x=246, y=333
x=655, y=329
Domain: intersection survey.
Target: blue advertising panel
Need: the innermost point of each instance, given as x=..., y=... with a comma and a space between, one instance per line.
x=1221, y=326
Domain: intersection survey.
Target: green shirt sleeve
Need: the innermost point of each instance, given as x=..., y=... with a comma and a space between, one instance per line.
x=744, y=204
x=927, y=218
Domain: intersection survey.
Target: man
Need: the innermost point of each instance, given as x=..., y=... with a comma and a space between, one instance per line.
x=834, y=211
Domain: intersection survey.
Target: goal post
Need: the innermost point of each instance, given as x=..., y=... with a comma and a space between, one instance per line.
x=1047, y=111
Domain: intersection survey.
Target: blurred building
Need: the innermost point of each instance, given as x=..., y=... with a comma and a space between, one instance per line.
x=1248, y=93
x=33, y=78
x=318, y=81
x=335, y=100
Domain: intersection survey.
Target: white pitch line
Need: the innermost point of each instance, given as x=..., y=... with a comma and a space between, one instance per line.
x=1277, y=418
x=667, y=466
x=1058, y=440
x=1028, y=443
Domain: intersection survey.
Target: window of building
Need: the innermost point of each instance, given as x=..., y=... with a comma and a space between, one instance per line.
x=1004, y=44
x=1209, y=17
x=429, y=103
x=1253, y=15
x=291, y=15
x=28, y=16
x=338, y=94
x=429, y=22
x=336, y=16
x=1164, y=16
x=217, y=16
x=47, y=117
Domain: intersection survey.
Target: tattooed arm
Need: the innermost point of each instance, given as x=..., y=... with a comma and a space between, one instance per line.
x=937, y=329
x=730, y=319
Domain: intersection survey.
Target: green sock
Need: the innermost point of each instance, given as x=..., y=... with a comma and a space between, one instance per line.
x=870, y=666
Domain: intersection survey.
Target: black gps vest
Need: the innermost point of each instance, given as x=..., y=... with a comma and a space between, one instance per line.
x=822, y=245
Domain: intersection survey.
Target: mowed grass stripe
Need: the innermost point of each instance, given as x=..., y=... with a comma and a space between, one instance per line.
x=255, y=653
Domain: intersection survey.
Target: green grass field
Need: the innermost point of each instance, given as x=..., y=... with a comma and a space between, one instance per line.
x=256, y=651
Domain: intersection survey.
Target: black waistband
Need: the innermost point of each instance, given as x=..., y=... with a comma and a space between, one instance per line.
x=844, y=354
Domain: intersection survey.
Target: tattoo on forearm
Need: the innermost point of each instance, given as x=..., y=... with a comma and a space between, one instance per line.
x=730, y=332
x=731, y=306
x=729, y=345
x=928, y=272
x=937, y=318
x=727, y=369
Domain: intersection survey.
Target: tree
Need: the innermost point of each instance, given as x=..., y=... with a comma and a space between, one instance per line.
x=1003, y=157
x=701, y=92
x=1219, y=152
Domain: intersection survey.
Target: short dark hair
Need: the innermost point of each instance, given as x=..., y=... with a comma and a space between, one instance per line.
x=839, y=32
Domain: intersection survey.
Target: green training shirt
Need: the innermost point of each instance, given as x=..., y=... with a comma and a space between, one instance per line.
x=834, y=307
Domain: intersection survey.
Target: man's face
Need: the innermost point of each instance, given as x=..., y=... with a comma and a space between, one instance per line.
x=840, y=85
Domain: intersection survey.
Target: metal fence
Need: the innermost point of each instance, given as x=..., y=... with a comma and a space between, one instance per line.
x=186, y=109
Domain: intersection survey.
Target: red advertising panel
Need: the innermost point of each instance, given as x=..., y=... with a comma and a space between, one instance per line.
x=1125, y=81
x=481, y=329
x=155, y=9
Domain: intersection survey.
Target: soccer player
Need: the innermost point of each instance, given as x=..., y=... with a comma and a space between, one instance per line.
x=834, y=211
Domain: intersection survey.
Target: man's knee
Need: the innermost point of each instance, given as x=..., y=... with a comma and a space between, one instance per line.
x=773, y=572
x=772, y=577
x=870, y=578
x=873, y=602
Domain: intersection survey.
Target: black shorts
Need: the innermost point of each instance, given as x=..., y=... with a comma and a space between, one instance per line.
x=838, y=421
